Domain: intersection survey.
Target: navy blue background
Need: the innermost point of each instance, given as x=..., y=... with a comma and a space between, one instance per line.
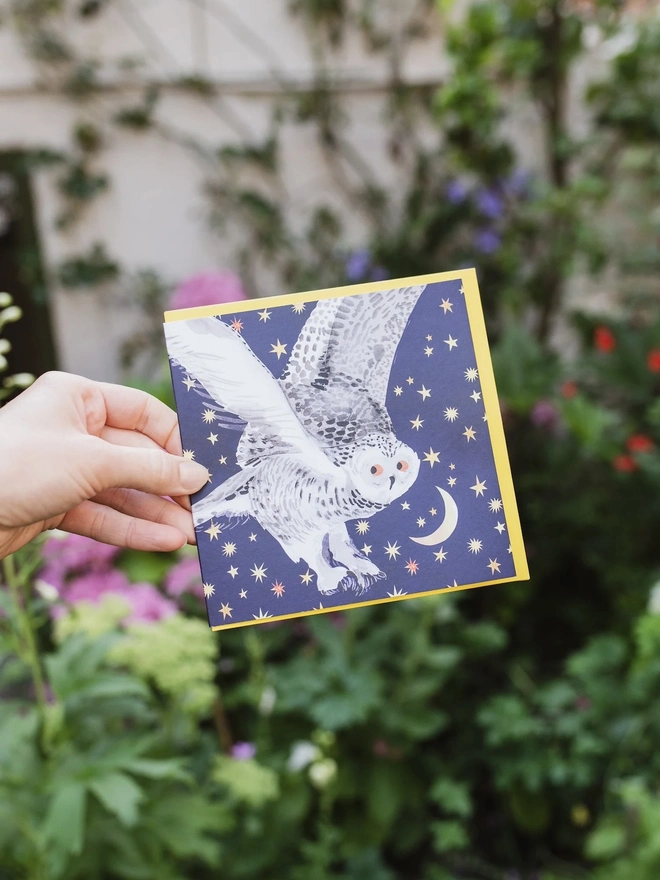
x=444, y=373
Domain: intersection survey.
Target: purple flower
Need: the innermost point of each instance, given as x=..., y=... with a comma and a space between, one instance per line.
x=456, y=192
x=91, y=588
x=243, y=751
x=518, y=183
x=148, y=605
x=184, y=577
x=208, y=289
x=357, y=265
x=76, y=553
x=487, y=241
x=544, y=414
x=489, y=203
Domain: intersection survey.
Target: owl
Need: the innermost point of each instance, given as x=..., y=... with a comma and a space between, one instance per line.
x=317, y=447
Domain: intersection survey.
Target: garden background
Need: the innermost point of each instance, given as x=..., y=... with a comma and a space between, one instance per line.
x=508, y=733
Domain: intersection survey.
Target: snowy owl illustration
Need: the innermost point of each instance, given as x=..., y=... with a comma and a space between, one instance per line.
x=317, y=447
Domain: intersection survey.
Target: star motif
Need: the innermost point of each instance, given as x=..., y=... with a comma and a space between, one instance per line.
x=471, y=374
x=225, y=610
x=405, y=505
x=395, y=592
x=493, y=565
x=484, y=418
x=208, y=416
x=500, y=527
x=429, y=337
x=253, y=537
x=320, y=608
x=392, y=550
x=278, y=589
x=366, y=549
x=299, y=308
x=410, y=380
x=452, y=343
x=474, y=545
x=451, y=481
x=421, y=521
x=212, y=438
x=417, y=423
x=258, y=572
x=452, y=467
x=232, y=572
x=362, y=527
x=449, y=586
x=428, y=351
x=476, y=396
x=461, y=291
x=494, y=505
x=242, y=594
x=189, y=382
x=237, y=325
x=306, y=578
x=209, y=590
x=508, y=549
x=412, y=566
x=445, y=305
x=264, y=316
x=441, y=555
x=433, y=511
x=432, y=457
x=229, y=548
x=223, y=459
x=424, y=392
x=213, y=531
x=188, y=455
x=398, y=391
x=278, y=349
x=469, y=434
x=263, y=615
x=451, y=414
x=209, y=476
x=478, y=487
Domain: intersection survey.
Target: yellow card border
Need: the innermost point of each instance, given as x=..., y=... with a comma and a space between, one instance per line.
x=470, y=287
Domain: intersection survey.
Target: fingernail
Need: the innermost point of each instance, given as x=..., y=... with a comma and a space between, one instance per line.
x=192, y=475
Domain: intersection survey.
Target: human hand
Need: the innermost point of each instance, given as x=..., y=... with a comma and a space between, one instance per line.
x=94, y=459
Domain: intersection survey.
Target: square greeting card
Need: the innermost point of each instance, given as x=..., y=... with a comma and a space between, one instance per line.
x=354, y=444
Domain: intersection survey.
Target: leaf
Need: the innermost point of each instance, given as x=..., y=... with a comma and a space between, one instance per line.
x=449, y=836
x=167, y=769
x=64, y=824
x=452, y=796
x=606, y=841
x=120, y=795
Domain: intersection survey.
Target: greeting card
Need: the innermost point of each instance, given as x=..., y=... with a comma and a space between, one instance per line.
x=354, y=445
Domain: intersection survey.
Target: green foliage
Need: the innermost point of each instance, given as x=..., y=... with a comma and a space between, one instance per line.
x=88, y=270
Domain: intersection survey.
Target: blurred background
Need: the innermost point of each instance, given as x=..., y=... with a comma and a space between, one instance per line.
x=182, y=152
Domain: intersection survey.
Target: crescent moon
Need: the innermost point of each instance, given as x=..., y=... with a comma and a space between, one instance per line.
x=446, y=527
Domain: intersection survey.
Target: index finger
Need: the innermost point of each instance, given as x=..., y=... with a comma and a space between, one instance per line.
x=135, y=410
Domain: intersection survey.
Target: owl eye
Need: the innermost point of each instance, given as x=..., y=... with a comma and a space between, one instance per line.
x=376, y=470
x=402, y=465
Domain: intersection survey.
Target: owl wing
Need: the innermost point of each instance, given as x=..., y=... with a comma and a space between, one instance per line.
x=220, y=360
x=355, y=336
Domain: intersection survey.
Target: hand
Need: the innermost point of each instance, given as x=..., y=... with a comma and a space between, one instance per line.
x=94, y=459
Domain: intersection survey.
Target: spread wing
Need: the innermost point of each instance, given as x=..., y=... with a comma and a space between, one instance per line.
x=355, y=337
x=220, y=360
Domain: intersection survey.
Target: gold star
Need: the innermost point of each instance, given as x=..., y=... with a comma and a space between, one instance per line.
x=398, y=391
x=392, y=550
x=306, y=578
x=188, y=455
x=237, y=325
x=452, y=343
x=263, y=615
x=495, y=505
x=208, y=416
x=278, y=589
x=429, y=337
x=299, y=308
x=474, y=545
x=451, y=481
x=445, y=305
x=212, y=438
x=493, y=565
x=432, y=457
x=264, y=316
x=253, y=537
x=433, y=511
x=189, y=382
x=366, y=549
x=452, y=467
x=469, y=434
x=209, y=590
x=225, y=610
x=412, y=566
x=471, y=374
x=509, y=549
x=478, y=487
x=476, y=395
x=223, y=459
x=424, y=392
x=500, y=527
x=484, y=417
x=451, y=414
x=209, y=476
x=228, y=548
x=232, y=572
x=417, y=423
x=441, y=555
x=362, y=527
x=421, y=521
x=405, y=505
x=278, y=349
x=242, y=594
x=410, y=380
x=213, y=531
x=396, y=592
x=462, y=290
x=258, y=572
x=428, y=351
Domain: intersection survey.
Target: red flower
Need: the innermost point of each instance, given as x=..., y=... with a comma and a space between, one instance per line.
x=640, y=443
x=604, y=339
x=569, y=389
x=624, y=463
x=653, y=360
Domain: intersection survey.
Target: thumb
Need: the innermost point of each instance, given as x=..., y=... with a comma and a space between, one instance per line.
x=150, y=470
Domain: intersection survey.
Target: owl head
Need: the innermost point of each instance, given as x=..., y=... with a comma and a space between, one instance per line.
x=382, y=468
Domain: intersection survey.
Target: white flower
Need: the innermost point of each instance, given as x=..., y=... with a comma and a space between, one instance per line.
x=321, y=773
x=267, y=701
x=654, y=599
x=302, y=754
x=47, y=591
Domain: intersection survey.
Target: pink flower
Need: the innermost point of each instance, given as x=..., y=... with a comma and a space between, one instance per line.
x=184, y=577
x=147, y=604
x=75, y=553
x=208, y=289
x=243, y=751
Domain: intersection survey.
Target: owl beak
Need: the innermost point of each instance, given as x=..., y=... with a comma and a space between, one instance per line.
x=392, y=479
